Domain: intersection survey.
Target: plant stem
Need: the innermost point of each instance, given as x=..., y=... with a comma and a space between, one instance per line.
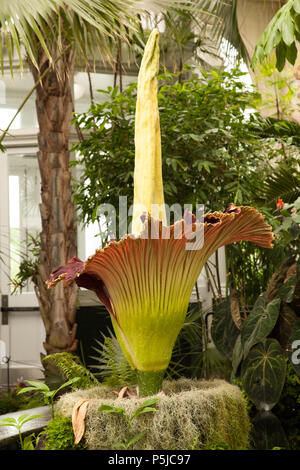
x=20, y=437
x=149, y=383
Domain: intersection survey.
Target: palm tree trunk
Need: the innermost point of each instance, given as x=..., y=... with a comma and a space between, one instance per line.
x=58, y=236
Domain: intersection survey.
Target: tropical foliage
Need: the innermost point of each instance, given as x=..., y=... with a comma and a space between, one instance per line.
x=260, y=341
x=212, y=154
x=281, y=34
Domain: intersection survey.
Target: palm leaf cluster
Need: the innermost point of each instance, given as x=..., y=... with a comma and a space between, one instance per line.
x=283, y=184
x=84, y=25
x=92, y=28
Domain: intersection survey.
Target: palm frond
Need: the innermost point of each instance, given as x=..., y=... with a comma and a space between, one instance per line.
x=284, y=184
x=228, y=29
x=91, y=26
x=27, y=25
x=221, y=19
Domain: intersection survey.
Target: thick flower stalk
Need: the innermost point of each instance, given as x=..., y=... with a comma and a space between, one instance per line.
x=145, y=280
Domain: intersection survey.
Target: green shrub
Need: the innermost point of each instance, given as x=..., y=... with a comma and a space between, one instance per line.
x=13, y=402
x=60, y=436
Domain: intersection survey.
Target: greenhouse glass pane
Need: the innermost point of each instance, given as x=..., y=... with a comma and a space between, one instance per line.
x=12, y=93
x=24, y=215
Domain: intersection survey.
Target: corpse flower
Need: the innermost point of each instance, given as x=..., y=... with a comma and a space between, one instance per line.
x=145, y=279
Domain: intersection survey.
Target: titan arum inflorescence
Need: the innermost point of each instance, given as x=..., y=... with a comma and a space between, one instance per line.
x=145, y=279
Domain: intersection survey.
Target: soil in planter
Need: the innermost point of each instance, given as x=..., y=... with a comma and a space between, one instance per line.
x=191, y=414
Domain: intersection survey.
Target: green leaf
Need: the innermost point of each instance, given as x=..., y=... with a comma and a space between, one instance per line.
x=69, y=382
x=145, y=407
x=8, y=422
x=25, y=418
x=291, y=53
x=28, y=389
x=259, y=323
x=224, y=331
x=149, y=402
x=237, y=355
x=37, y=385
x=286, y=224
x=259, y=54
x=287, y=29
x=267, y=432
x=263, y=373
x=286, y=292
x=112, y=409
x=196, y=137
x=120, y=445
x=140, y=412
x=274, y=41
x=280, y=56
x=136, y=438
x=296, y=6
x=28, y=442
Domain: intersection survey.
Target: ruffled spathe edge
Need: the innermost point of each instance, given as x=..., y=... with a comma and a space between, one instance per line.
x=254, y=229
x=218, y=228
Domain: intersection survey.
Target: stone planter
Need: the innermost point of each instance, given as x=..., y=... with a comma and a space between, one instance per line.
x=191, y=414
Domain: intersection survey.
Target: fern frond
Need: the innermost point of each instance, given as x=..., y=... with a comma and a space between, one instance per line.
x=113, y=368
x=69, y=367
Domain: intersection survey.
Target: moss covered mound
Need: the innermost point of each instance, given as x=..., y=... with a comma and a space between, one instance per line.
x=193, y=414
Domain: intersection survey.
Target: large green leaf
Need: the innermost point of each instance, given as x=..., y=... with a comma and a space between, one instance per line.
x=296, y=6
x=237, y=355
x=291, y=53
x=260, y=322
x=277, y=279
x=280, y=56
x=287, y=290
x=287, y=30
x=267, y=432
x=286, y=321
x=282, y=31
x=223, y=330
x=263, y=373
x=294, y=347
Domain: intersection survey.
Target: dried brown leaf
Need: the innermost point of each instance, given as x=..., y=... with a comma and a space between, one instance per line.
x=235, y=309
x=78, y=418
x=278, y=279
x=125, y=392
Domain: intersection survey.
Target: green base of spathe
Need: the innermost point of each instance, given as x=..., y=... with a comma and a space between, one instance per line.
x=149, y=383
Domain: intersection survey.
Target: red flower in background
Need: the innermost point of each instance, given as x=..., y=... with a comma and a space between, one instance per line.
x=280, y=204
